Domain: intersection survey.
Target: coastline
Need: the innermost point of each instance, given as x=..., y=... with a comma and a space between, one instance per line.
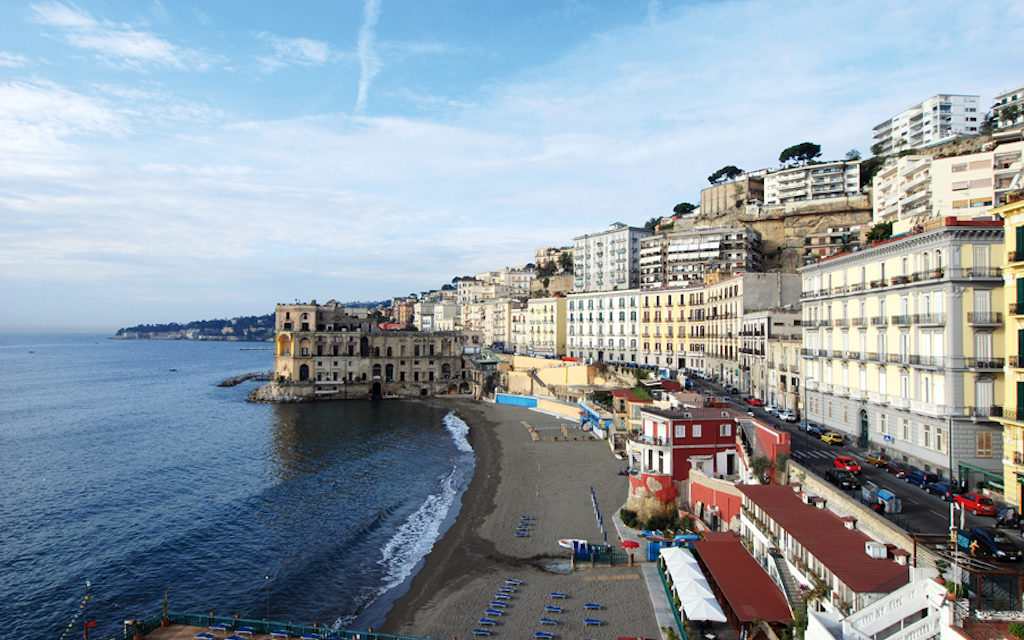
x=550, y=480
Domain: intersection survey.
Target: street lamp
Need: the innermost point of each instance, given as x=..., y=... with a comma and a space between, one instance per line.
x=807, y=413
x=267, y=580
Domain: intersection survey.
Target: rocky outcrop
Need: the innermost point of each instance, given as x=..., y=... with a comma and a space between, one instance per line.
x=282, y=392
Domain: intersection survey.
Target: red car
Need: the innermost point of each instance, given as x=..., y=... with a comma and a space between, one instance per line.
x=754, y=402
x=847, y=463
x=978, y=505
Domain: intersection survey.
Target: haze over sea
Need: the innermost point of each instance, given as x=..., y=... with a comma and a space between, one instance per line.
x=125, y=465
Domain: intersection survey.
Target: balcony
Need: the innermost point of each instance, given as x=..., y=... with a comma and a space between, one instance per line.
x=1015, y=362
x=839, y=322
x=994, y=411
x=897, y=358
x=1017, y=308
x=925, y=361
x=987, y=364
x=879, y=321
x=808, y=353
x=899, y=321
x=1013, y=413
x=988, y=318
x=974, y=273
x=929, y=318
x=648, y=440
x=857, y=322
x=871, y=356
x=878, y=284
x=1015, y=256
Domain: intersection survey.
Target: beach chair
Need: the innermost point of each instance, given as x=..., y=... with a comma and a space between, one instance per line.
x=558, y=594
x=546, y=635
x=592, y=621
x=553, y=609
x=507, y=589
x=591, y=605
x=501, y=596
x=245, y=631
x=548, y=621
x=309, y=636
x=486, y=621
x=513, y=582
x=204, y=636
x=494, y=612
x=522, y=534
x=234, y=637
x=498, y=603
x=526, y=517
x=481, y=632
x=280, y=633
x=220, y=626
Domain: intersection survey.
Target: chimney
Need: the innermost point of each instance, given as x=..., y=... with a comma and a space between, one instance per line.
x=850, y=522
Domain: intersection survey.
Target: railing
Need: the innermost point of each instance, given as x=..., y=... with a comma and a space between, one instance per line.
x=929, y=318
x=901, y=320
x=976, y=272
x=857, y=322
x=1014, y=256
x=993, y=411
x=1013, y=413
x=1017, y=308
x=871, y=356
x=839, y=322
x=671, y=602
x=878, y=284
x=879, y=321
x=1015, y=361
x=984, y=363
x=984, y=318
x=639, y=439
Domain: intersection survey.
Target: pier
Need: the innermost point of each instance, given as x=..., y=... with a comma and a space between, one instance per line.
x=262, y=376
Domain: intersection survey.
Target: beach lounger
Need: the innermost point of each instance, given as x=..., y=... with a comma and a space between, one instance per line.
x=546, y=635
x=553, y=609
x=501, y=596
x=486, y=621
x=525, y=517
x=234, y=637
x=513, y=582
x=507, y=589
x=522, y=534
x=220, y=626
x=558, y=594
x=481, y=632
x=204, y=636
x=245, y=631
x=548, y=621
x=592, y=621
x=309, y=636
x=279, y=633
x=494, y=612
x=591, y=605
x=498, y=603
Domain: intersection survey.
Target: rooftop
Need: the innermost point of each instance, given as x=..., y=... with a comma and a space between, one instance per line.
x=826, y=538
x=750, y=592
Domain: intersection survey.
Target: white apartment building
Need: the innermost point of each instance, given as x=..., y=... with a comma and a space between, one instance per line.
x=475, y=290
x=938, y=119
x=812, y=182
x=546, y=325
x=1008, y=108
x=770, y=355
x=603, y=326
x=677, y=258
x=437, y=316
x=492, y=319
x=516, y=279
x=608, y=260
x=903, y=346
x=974, y=183
x=902, y=189
x=519, y=339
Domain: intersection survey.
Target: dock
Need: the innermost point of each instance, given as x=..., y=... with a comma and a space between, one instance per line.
x=262, y=376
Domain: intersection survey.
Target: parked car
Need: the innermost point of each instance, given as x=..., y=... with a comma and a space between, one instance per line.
x=846, y=463
x=995, y=543
x=899, y=469
x=810, y=428
x=771, y=409
x=944, y=490
x=754, y=402
x=843, y=479
x=788, y=416
x=1008, y=517
x=920, y=478
x=977, y=504
x=877, y=459
x=831, y=437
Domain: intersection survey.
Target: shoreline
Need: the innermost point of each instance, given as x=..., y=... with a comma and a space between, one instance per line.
x=551, y=480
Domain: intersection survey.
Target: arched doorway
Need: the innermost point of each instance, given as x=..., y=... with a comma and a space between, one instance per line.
x=389, y=372
x=863, y=428
x=304, y=372
x=364, y=347
x=376, y=371
x=446, y=371
x=375, y=391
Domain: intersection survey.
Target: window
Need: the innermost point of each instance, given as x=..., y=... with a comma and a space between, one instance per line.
x=695, y=431
x=883, y=423
x=725, y=430
x=905, y=429
x=680, y=430
x=984, y=444
x=926, y=436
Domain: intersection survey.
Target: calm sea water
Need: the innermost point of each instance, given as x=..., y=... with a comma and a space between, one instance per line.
x=124, y=464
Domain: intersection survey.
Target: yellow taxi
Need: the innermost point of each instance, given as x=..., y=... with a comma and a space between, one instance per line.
x=831, y=437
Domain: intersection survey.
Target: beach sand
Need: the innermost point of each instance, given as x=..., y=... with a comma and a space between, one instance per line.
x=550, y=481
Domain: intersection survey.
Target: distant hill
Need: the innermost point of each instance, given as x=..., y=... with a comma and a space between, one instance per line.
x=243, y=328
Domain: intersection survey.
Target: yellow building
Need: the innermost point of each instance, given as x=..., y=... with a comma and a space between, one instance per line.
x=1013, y=384
x=903, y=347
x=663, y=327
x=545, y=331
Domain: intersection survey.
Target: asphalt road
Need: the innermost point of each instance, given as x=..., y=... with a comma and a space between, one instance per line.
x=922, y=512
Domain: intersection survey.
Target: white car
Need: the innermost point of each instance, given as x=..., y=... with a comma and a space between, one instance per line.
x=788, y=416
x=772, y=410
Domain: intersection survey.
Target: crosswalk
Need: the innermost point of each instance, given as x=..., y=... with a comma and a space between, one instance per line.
x=809, y=455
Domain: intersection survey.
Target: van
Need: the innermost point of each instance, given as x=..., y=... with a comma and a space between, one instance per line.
x=920, y=478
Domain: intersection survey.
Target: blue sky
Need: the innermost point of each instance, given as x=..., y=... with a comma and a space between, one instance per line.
x=172, y=161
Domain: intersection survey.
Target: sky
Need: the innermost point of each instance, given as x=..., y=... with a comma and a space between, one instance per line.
x=172, y=161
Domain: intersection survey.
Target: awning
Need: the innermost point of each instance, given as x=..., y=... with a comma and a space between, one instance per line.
x=691, y=586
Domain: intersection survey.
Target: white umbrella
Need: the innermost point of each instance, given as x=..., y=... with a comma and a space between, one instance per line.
x=693, y=589
x=703, y=609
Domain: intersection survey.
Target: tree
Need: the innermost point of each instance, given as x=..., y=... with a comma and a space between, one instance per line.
x=546, y=270
x=852, y=155
x=800, y=153
x=683, y=208
x=879, y=232
x=876, y=149
x=651, y=224
x=565, y=261
x=728, y=172
x=869, y=168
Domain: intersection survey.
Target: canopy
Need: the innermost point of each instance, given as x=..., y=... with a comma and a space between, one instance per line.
x=690, y=585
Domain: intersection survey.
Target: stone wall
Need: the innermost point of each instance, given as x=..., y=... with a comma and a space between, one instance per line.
x=306, y=391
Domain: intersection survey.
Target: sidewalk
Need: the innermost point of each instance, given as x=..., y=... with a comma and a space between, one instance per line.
x=659, y=601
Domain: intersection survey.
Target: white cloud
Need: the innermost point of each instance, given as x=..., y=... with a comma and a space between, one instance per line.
x=293, y=51
x=8, y=59
x=120, y=45
x=369, y=61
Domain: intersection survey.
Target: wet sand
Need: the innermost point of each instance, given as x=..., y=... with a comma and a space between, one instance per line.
x=550, y=481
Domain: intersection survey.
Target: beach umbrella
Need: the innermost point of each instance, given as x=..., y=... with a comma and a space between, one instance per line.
x=630, y=544
x=704, y=609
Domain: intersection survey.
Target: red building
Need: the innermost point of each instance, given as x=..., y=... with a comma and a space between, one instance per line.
x=673, y=441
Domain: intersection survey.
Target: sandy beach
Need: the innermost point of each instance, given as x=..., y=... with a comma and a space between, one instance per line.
x=549, y=480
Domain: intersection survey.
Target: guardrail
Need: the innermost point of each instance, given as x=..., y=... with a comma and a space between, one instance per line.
x=672, y=603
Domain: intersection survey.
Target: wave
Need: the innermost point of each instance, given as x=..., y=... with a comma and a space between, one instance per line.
x=459, y=431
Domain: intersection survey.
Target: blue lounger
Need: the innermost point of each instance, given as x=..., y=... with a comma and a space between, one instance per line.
x=498, y=603
x=548, y=621
x=494, y=612
x=557, y=594
x=481, y=632
x=546, y=635
x=513, y=582
x=594, y=621
x=233, y=637
x=204, y=636
x=522, y=534
x=591, y=605
x=525, y=517
x=486, y=621
x=507, y=589
x=553, y=609
x=220, y=626
x=501, y=596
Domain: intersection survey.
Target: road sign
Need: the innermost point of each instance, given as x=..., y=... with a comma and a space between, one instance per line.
x=887, y=438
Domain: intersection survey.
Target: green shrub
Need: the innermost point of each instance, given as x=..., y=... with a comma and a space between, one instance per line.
x=1017, y=629
x=629, y=518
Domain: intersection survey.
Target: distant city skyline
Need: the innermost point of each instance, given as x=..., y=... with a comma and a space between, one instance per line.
x=172, y=161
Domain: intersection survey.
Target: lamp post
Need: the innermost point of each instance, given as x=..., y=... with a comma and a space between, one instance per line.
x=807, y=413
x=266, y=579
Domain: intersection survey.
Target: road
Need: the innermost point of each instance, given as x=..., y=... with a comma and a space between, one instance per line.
x=922, y=512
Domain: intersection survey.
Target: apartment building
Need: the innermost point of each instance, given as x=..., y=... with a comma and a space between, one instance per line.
x=677, y=258
x=608, y=260
x=1008, y=108
x=546, y=326
x=603, y=326
x=323, y=351
x=974, y=183
x=515, y=280
x=834, y=240
x=492, y=319
x=902, y=347
x=938, y=119
x=519, y=329
x=726, y=302
x=543, y=255
x=437, y=316
x=902, y=189
x=815, y=181
x=1012, y=415
x=770, y=356
x=734, y=195
x=666, y=319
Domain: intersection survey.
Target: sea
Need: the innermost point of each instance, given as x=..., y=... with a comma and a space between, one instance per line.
x=128, y=474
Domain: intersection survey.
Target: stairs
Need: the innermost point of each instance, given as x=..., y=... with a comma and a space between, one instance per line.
x=790, y=585
x=536, y=378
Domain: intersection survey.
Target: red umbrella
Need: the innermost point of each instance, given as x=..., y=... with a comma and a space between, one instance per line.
x=630, y=544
